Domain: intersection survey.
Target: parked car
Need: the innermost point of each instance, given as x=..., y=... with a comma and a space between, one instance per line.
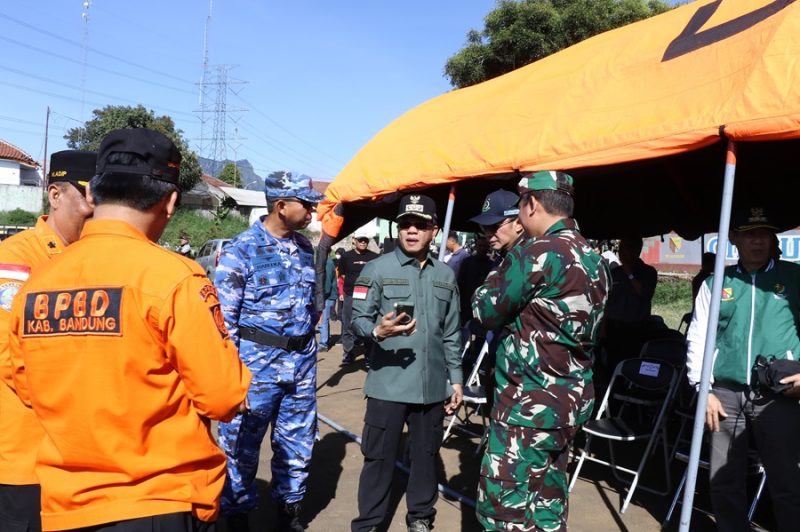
x=208, y=256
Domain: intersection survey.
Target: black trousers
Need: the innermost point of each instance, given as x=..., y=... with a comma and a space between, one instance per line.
x=773, y=423
x=177, y=522
x=380, y=443
x=348, y=338
x=20, y=507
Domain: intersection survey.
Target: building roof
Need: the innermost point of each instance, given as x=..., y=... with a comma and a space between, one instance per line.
x=245, y=198
x=10, y=152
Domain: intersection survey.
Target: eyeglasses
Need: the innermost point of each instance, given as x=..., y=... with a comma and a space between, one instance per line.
x=421, y=225
x=306, y=204
x=492, y=229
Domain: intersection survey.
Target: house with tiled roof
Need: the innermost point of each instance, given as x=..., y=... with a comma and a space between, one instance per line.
x=20, y=181
x=17, y=167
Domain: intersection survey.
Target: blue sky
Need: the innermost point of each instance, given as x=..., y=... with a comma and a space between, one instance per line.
x=320, y=77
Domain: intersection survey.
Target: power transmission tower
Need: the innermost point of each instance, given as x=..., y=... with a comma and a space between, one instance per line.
x=213, y=110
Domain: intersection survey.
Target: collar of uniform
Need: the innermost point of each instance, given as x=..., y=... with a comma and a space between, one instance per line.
x=564, y=224
x=50, y=241
x=111, y=227
x=404, y=258
x=272, y=239
x=765, y=268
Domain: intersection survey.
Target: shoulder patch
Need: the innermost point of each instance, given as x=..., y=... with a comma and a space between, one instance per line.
x=364, y=281
x=219, y=320
x=7, y=292
x=360, y=292
x=80, y=312
x=18, y=272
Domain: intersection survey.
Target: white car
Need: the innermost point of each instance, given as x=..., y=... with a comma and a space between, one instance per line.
x=208, y=256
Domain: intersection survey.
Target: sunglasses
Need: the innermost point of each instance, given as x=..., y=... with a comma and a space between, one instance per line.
x=492, y=229
x=524, y=199
x=306, y=204
x=422, y=225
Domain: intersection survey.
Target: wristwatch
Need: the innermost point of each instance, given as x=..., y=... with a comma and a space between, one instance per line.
x=375, y=334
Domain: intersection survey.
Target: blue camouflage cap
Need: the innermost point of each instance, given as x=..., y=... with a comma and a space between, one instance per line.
x=546, y=180
x=291, y=186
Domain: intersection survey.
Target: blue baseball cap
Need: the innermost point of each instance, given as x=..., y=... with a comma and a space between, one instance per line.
x=291, y=186
x=498, y=206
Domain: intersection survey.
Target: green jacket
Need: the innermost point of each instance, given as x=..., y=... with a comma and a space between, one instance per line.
x=758, y=315
x=546, y=299
x=414, y=368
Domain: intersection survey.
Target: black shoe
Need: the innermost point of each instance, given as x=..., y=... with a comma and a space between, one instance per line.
x=238, y=523
x=419, y=525
x=289, y=518
x=348, y=359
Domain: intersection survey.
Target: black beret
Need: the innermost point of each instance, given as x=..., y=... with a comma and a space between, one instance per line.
x=139, y=151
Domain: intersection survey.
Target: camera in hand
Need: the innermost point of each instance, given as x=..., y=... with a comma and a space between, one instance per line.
x=406, y=308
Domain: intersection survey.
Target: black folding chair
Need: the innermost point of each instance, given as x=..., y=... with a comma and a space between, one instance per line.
x=658, y=381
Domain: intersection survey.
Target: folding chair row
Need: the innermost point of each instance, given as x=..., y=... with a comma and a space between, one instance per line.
x=633, y=379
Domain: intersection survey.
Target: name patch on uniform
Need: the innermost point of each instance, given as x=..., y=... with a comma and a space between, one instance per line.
x=360, y=292
x=81, y=312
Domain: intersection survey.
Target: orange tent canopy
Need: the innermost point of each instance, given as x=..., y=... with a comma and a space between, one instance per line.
x=647, y=103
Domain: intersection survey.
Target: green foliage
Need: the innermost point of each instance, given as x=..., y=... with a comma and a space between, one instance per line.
x=231, y=175
x=113, y=117
x=517, y=33
x=673, y=298
x=200, y=229
x=18, y=217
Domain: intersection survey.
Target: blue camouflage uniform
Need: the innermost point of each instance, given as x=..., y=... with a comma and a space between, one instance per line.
x=266, y=286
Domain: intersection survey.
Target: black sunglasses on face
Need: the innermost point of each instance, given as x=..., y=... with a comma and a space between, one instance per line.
x=421, y=225
x=491, y=229
x=306, y=205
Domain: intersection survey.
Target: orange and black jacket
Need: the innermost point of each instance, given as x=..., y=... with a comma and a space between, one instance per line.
x=120, y=348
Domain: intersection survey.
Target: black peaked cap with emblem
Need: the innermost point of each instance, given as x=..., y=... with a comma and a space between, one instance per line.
x=72, y=166
x=417, y=205
x=139, y=151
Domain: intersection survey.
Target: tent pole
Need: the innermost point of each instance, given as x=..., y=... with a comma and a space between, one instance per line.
x=451, y=199
x=711, y=336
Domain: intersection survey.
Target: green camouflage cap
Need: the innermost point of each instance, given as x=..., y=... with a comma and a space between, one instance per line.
x=546, y=180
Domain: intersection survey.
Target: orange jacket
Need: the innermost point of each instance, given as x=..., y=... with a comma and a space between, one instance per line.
x=20, y=431
x=121, y=349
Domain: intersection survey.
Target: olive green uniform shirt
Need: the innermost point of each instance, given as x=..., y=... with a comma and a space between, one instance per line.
x=413, y=368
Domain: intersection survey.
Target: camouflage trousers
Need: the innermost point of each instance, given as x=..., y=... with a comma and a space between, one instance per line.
x=291, y=409
x=523, y=480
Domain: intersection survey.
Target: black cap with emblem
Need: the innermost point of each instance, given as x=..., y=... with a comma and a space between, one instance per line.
x=139, y=151
x=417, y=205
x=72, y=166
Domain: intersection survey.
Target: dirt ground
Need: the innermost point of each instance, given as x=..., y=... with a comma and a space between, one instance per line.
x=331, y=499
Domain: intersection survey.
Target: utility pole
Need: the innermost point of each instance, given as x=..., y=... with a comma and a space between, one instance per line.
x=46, y=134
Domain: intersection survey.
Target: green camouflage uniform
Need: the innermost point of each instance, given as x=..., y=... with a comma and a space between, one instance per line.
x=547, y=299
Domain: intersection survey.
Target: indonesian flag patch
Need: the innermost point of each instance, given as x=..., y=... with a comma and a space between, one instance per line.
x=18, y=272
x=360, y=292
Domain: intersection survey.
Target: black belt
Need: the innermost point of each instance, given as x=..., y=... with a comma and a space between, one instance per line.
x=289, y=343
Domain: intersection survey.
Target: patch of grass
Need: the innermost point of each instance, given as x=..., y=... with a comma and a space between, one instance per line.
x=200, y=229
x=18, y=217
x=673, y=298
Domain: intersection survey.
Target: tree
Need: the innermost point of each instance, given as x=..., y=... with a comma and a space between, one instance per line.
x=231, y=175
x=114, y=117
x=517, y=33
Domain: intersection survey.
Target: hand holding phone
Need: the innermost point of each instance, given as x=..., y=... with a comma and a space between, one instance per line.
x=407, y=308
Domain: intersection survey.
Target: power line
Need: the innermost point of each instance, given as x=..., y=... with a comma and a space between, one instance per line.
x=286, y=150
x=101, y=69
x=269, y=119
x=98, y=52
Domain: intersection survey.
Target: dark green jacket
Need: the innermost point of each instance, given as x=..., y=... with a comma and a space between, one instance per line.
x=414, y=368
